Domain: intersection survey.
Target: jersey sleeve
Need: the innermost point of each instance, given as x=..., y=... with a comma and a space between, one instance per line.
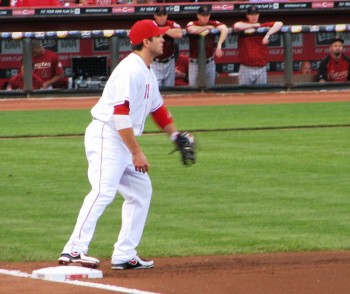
x=322, y=70
x=57, y=65
x=215, y=23
x=268, y=24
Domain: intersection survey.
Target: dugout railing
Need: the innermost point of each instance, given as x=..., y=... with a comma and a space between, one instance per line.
x=292, y=45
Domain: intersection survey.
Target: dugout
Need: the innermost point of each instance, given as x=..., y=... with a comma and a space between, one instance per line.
x=83, y=34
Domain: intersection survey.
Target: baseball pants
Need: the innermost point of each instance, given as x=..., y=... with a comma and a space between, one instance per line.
x=110, y=171
x=210, y=70
x=165, y=73
x=252, y=75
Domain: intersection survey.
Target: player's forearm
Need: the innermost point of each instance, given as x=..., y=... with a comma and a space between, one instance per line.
x=170, y=129
x=175, y=33
x=223, y=35
x=198, y=29
x=275, y=28
x=50, y=82
x=138, y=158
x=241, y=26
x=130, y=141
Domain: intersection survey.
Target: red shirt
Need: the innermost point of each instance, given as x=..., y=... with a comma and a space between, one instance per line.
x=38, y=3
x=332, y=70
x=181, y=64
x=251, y=50
x=17, y=83
x=210, y=43
x=47, y=65
x=168, y=45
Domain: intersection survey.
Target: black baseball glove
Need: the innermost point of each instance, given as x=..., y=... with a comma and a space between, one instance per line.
x=185, y=143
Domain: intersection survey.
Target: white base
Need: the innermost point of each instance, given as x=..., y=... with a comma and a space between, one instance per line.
x=66, y=273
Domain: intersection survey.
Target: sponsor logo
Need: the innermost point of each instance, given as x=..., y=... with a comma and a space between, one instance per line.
x=5, y=35
x=85, y=34
x=133, y=261
x=51, y=34
x=68, y=45
x=23, y=12
x=222, y=7
x=108, y=33
x=76, y=277
x=62, y=34
x=40, y=35
x=17, y=35
x=296, y=29
x=28, y=34
x=340, y=27
x=97, y=33
x=324, y=4
x=123, y=9
x=314, y=28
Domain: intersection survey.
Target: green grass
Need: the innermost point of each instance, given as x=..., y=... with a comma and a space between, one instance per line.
x=250, y=191
x=63, y=122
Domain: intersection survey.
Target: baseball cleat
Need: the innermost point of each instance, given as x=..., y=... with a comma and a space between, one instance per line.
x=135, y=263
x=78, y=258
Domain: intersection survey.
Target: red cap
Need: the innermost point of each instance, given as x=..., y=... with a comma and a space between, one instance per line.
x=145, y=29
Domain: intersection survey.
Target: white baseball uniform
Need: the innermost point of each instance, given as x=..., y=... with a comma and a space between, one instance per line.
x=111, y=169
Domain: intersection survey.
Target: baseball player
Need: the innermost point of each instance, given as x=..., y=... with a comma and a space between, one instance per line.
x=116, y=160
x=17, y=82
x=164, y=65
x=335, y=67
x=202, y=26
x=46, y=65
x=252, y=49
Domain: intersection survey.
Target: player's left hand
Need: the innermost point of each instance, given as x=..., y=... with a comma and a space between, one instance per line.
x=185, y=143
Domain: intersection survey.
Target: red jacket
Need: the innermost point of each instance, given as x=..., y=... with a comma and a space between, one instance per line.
x=332, y=70
x=17, y=83
x=47, y=65
x=251, y=50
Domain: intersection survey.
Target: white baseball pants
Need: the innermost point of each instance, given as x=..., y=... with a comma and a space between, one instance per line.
x=110, y=171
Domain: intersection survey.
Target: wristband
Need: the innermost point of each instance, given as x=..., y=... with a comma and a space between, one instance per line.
x=122, y=121
x=174, y=135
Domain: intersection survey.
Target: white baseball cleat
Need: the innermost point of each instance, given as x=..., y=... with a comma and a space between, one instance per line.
x=78, y=258
x=135, y=263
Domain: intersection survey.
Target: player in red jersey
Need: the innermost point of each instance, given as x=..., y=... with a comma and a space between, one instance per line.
x=17, y=82
x=181, y=70
x=252, y=49
x=336, y=66
x=202, y=27
x=46, y=65
x=164, y=65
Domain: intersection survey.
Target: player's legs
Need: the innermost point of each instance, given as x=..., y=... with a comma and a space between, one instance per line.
x=244, y=77
x=107, y=158
x=193, y=74
x=261, y=76
x=211, y=73
x=136, y=189
x=169, y=69
x=158, y=69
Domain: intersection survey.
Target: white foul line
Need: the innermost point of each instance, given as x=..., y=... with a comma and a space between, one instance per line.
x=80, y=283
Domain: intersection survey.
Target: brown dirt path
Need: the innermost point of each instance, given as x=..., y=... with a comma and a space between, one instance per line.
x=193, y=99
x=288, y=273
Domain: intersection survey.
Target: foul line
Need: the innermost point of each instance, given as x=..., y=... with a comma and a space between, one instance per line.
x=79, y=283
